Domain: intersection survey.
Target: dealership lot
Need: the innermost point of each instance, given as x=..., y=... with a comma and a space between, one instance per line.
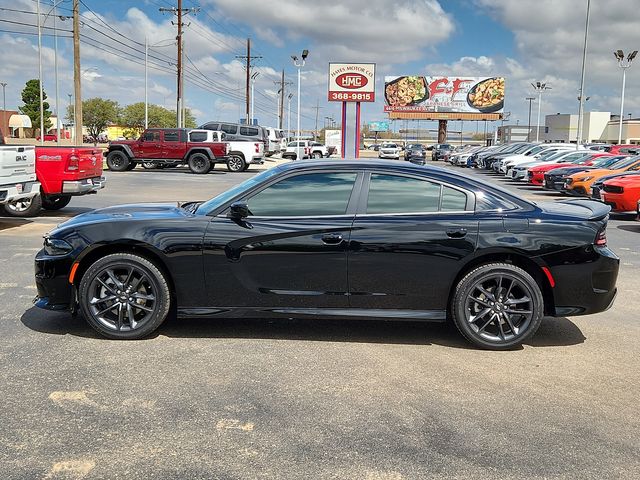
x=306, y=398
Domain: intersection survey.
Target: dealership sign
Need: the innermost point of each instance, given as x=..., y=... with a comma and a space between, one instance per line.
x=418, y=94
x=352, y=82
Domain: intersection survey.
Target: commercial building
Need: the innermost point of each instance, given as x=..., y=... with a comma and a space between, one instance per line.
x=598, y=127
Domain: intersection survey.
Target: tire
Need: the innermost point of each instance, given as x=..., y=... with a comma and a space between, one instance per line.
x=317, y=155
x=55, y=202
x=149, y=165
x=236, y=163
x=480, y=306
x=246, y=167
x=26, y=207
x=131, y=165
x=117, y=161
x=147, y=302
x=212, y=166
x=199, y=163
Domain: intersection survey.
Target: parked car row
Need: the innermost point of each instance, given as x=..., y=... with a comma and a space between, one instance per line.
x=610, y=173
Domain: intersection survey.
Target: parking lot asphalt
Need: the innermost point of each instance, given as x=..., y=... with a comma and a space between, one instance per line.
x=306, y=399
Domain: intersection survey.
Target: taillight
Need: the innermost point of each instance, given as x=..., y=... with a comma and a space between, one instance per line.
x=257, y=145
x=601, y=237
x=73, y=164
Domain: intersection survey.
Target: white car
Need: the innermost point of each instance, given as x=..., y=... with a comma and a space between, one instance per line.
x=521, y=172
x=389, y=150
x=460, y=158
x=528, y=154
x=539, y=157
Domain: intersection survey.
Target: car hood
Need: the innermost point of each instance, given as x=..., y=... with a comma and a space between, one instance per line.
x=601, y=180
x=568, y=170
x=140, y=211
x=594, y=172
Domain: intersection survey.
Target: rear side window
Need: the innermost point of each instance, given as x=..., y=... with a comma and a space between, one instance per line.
x=249, y=131
x=198, y=136
x=153, y=136
x=172, y=136
x=305, y=195
x=229, y=129
x=486, y=202
x=211, y=126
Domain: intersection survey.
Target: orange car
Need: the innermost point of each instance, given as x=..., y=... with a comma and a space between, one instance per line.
x=580, y=183
x=622, y=193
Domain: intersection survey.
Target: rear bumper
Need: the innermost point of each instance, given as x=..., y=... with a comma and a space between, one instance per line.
x=586, y=283
x=84, y=186
x=18, y=191
x=256, y=161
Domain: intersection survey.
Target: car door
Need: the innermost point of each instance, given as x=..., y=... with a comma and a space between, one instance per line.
x=409, y=239
x=173, y=146
x=291, y=251
x=150, y=145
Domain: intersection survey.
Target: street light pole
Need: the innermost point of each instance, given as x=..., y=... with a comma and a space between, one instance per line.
x=539, y=87
x=299, y=66
x=584, y=66
x=4, y=98
x=529, y=99
x=623, y=64
x=289, y=97
x=253, y=82
x=40, y=75
x=146, y=83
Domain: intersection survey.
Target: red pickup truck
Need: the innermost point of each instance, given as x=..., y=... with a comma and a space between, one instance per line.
x=63, y=172
x=159, y=147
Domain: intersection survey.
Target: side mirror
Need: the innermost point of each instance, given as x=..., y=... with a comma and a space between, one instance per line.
x=239, y=210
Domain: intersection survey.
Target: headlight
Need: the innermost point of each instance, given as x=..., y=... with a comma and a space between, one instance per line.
x=55, y=246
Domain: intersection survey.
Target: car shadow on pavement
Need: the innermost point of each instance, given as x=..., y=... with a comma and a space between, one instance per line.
x=8, y=222
x=554, y=332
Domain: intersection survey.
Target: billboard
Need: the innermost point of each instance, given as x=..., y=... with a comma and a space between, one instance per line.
x=378, y=126
x=352, y=82
x=418, y=94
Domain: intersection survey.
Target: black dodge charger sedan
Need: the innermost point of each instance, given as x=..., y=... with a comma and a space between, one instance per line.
x=350, y=239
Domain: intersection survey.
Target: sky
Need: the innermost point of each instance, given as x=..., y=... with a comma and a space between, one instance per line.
x=523, y=40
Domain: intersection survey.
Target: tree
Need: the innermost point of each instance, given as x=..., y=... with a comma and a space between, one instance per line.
x=31, y=107
x=189, y=119
x=159, y=117
x=97, y=114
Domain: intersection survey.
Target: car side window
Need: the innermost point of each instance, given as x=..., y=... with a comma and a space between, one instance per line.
x=151, y=136
x=229, y=129
x=198, y=136
x=400, y=194
x=171, y=136
x=249, y=131
x=310, y=194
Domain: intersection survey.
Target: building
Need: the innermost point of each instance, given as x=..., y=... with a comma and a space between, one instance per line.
x=518, y=133
x=597, y=127
x=630, y=130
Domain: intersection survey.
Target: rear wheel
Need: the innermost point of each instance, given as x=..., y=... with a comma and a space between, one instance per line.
x=117, y=161
x=124, y=296
x=317, y=155
x=25, y=207
x=199, y=163
x=236, y=163
x=497, y=306
x=246, y=167
x=55, y=202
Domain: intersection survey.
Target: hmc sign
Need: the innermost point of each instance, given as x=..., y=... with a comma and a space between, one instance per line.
x=352, y=82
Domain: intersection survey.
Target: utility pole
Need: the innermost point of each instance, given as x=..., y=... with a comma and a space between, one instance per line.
x=317, y=108
x=529, y=99
x=281, y=91
x=179, y=11
x=248, y=59
x=77, y=76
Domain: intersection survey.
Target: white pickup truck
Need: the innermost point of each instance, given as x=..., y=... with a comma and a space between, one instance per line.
x=241, y=155
x=18, y=174
x=305, y=149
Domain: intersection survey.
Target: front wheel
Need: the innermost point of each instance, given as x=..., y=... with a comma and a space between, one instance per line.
x=124, y=296
x=497, y=306
x=117, y=161
x=236, y=163
x=55, y=202
x=25, y=207
x=199, y=163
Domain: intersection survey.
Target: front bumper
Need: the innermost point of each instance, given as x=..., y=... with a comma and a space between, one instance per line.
x=585, y=281
x=84, y=186
x=18, y=191
x=52, y=281
x=388, y=155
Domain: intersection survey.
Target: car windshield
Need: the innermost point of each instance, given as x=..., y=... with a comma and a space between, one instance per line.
x=549, y=154
x=389, y=145
x=224, y=197
x=605, y=161
x=624, y=163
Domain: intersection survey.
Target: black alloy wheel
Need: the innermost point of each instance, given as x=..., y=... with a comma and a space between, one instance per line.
x=199, y=163
x=124, y=296
x=497, y=306
x=236, y=163
x=117, y=161
x=55, y=202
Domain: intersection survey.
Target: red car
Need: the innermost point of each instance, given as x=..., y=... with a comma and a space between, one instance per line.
x=49, y=137
x=622, y=193
x=625, y=149
x=536, y=173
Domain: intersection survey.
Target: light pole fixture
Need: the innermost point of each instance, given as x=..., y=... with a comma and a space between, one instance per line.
x=623, y=64
x=253, y=82
x=539, y=87
x=299, y=65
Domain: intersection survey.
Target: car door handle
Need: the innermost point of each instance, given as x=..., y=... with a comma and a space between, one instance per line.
x=457, y=232
x=332, y=238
